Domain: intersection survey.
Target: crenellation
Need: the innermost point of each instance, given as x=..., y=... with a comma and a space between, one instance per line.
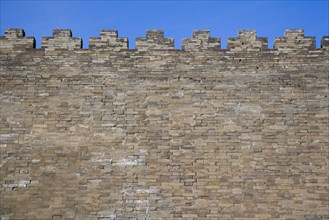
x=156, y=35
x=109, y=40
x=325, y=42
x=294, y=33
x=154, y=40
x=15, y=39
x=61, y=39
x=12, y=33
x=247, y=41
x=109, y=34
x=65, y=33
x=294, y=40
x=201, y=34
x=201, y=40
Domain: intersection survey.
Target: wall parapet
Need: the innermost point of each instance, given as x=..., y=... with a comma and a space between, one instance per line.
x=294, y=40
x=154, y=40
x=325, y=42
x=201, y=40
x=247, y=41
x=15, y=39
x=108, y=40
x=62, y=39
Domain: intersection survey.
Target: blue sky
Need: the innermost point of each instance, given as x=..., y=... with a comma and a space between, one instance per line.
x=177, y=18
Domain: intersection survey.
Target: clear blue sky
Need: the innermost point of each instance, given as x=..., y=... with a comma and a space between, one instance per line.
x=177, y=18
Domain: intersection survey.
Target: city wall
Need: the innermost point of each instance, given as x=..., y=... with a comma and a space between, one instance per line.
x=154, y=132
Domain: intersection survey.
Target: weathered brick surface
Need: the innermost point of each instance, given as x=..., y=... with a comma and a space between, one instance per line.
x=247, y=41
x=62, y=39
x=294, y=40
x=154, y=40
x=154, y=133
x=109, y=40
x=15, y=39
x=201, y=40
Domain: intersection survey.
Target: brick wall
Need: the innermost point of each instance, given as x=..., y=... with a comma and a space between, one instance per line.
x=158, y=133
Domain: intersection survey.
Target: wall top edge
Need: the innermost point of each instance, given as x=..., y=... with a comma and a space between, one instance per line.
x=246, y=40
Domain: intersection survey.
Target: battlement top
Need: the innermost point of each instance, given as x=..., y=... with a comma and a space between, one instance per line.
x=246, y=41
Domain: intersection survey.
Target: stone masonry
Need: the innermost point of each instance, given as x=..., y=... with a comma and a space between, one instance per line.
x=159, y=133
